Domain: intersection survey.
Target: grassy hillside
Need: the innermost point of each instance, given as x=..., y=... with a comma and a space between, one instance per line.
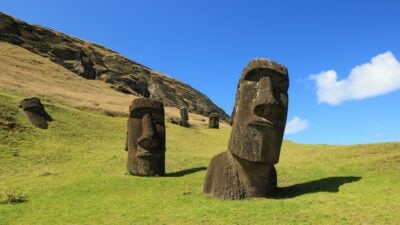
x=74, y=173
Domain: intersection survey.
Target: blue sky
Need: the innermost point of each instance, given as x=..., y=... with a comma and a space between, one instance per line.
x=207, y=43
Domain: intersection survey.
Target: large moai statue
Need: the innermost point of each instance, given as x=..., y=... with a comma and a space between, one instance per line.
x=35, y=112
x=184, y=122
x=213, y=120
x=145, y=141
x=247, y=169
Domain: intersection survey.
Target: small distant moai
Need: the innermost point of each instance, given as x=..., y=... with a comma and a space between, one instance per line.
x=213, y=121
x=184, y=122
x=145, y=141
x=247, y=169
x=35, y=112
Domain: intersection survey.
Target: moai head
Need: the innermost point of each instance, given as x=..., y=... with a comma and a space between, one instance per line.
x=213, y=121
x=184, y=113
x=260, y=112
x=146, y=137
x=35, y=112
x=184, y=122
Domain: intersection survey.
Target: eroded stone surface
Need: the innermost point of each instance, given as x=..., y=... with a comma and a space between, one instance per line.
x=259, y=118
x=145, y=141
x=35, y=112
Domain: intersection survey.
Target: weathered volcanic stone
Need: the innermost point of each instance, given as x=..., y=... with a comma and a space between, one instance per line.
x=184, y=122
x=213, y=121
x=145, y=140
x=259, y=118
x=35, y=112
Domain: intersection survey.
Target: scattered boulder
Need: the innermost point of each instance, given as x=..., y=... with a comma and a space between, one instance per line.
x=247, y=169
x=35, y=112
x=174, y=120
x=145, y=141
x=213, y=121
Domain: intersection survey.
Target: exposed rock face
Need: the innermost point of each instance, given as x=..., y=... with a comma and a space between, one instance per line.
x=213, y=121
x=145, y=141
x=184, y=122
x=260, y=111
x=35, y=112
x=92, y=61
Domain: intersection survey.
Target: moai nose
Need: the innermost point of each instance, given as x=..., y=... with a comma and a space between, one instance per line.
x=148, y=138
x=265, y=99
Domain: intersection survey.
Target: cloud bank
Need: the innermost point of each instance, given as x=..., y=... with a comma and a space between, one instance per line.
x=378, y=77
x=295, y=125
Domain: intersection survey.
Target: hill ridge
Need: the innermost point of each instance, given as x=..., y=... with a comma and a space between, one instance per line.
x=93, y=61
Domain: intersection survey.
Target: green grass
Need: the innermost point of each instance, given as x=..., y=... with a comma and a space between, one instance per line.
x=74, y=173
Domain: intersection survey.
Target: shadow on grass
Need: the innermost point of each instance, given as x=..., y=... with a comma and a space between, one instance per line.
x=330, y=184
x=185, y=172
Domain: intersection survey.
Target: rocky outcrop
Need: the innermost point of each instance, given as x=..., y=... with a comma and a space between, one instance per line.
x=93, y=61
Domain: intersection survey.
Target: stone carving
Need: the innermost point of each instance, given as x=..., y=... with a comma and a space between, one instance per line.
x=213, y=121
x=35, y=112
x=145, y=140
x=259, y=118
x=184, y=122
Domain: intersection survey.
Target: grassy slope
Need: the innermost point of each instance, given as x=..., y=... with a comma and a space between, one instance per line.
x=74, y=173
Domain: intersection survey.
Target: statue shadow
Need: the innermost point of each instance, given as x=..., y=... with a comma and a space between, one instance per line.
x=184, y=172
x=330, y=184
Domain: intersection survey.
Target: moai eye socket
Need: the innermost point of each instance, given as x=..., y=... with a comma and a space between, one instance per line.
x=139, y=112
x=253, y=75
x=257, y=74
x=279, y=80
x=156, y=114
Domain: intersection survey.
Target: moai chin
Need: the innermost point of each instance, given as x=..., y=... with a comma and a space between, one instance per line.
x=145, y=141
x=184, y=122
x=247, y=169
x=213, y=121
x=35, y=112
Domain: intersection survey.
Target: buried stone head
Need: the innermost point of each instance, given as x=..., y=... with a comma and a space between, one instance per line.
x=35, y=112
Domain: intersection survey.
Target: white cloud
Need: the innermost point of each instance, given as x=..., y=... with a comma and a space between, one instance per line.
x=378, y=77
x=295, y=125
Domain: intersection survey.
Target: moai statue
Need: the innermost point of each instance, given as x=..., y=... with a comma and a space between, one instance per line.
x=184, y=122
x=247, y=169
x=145, y=141
x=213, y=121
x=35, y=112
